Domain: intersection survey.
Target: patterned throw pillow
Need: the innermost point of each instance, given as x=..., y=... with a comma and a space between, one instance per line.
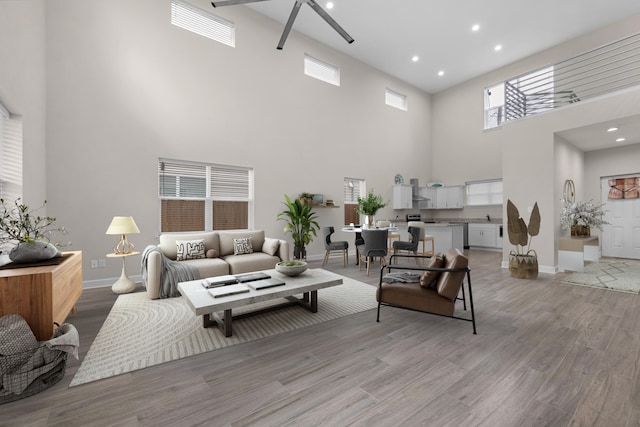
x=428, y=278
x=242, y=246
x=189, y=249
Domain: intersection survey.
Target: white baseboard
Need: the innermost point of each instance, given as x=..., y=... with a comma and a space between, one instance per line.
x=102, y=283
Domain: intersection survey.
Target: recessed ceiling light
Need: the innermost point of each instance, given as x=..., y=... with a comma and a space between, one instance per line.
x=441, y=73
x=415, y=58
x=621, y=139
x=612, y=129
x=476, y=27
x=498, y=48
x=329, y=5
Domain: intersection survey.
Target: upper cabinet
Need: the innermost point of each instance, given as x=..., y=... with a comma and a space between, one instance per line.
x=443, y=197
x=402, y=196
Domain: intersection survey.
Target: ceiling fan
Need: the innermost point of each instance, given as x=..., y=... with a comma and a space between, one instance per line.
x=296, y=7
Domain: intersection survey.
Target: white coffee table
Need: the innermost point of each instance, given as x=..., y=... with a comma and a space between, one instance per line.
x=306, y=284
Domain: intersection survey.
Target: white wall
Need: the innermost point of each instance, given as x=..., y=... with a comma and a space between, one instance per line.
x=125, y=87
x=22, y=87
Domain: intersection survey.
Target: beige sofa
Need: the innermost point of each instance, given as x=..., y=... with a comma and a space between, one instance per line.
x=266, y=253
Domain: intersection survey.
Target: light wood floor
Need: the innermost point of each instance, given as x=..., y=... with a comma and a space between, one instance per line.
x=545, y=354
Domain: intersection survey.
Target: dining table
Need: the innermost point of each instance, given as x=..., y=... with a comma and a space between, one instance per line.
x=357, y=229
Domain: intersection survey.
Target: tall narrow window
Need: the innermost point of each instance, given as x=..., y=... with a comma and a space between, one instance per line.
x=395, y=99
x=321, y=70
x=10, y=155
x=201, y=196
x=198, y=21
x=353, y=188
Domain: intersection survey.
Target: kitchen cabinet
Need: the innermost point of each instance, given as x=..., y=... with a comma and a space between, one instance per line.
x=402, y=196
x=443, y=197
x=428, y=197
x=485, y=235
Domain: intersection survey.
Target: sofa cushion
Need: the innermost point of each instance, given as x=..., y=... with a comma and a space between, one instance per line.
x=256, y=261
x=168, y=244
x=270, y=246
x=209, y=267
x=428, y=278
x=189, y=249
x=242, y=246
x=226, y=240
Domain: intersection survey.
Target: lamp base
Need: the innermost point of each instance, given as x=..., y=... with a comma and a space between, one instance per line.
x=124, y=285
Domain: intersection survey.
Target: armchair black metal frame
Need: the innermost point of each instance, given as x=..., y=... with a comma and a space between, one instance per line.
x=394, y=266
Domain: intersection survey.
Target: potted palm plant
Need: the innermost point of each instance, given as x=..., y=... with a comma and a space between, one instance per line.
x=301, y=222
x=369, y=206
x=523, y=263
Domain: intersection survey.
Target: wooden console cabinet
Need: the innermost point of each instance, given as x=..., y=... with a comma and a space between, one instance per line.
x=43, y=294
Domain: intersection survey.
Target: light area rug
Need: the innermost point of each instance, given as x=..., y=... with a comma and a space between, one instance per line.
x=140, y=332
x=615, y=274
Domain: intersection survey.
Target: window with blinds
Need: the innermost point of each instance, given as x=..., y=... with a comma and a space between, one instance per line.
x=10, y=155
x=321, y=70
x=484, y=193
x=202, y=196
x=395, y=99
x=198, y=21
x=353, y=188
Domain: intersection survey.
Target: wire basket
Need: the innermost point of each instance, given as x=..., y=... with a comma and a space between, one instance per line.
x=27, y=367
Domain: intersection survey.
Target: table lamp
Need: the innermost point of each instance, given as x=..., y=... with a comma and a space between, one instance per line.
x=123, y=225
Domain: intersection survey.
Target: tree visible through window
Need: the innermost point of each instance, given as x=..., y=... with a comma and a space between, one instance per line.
x=201, y=197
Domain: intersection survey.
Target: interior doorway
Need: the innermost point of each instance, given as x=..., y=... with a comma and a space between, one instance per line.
x=621, y=237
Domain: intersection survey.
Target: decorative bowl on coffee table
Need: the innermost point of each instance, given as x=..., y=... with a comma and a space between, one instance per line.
x=291, y=268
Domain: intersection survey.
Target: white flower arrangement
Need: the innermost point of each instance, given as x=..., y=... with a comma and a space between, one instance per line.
x=587, y=214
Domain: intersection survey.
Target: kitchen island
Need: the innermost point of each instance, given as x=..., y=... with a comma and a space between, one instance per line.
x=446, y=236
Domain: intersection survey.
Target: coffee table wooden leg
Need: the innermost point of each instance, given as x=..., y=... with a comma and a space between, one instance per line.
x=225, y=324
x=313, y=306
x=228, y=318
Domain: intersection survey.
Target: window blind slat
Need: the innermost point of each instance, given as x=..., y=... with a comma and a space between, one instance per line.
x=11, y=157
x=321, y=70
x=198, y=21
x=206, y=195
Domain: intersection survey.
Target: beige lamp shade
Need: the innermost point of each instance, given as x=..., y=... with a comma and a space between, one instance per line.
x=123, y=225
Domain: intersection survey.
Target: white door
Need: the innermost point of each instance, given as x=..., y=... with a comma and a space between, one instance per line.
x=621, y=238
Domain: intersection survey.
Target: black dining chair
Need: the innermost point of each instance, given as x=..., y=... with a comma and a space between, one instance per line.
x=374, y=245
x=411, y=245
x=330, y=246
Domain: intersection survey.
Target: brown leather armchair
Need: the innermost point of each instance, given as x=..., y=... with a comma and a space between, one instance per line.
x=436, y=292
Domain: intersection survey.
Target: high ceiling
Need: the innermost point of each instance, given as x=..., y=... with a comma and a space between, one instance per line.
x=388, y=33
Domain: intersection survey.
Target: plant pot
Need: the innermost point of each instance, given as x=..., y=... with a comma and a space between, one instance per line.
x=580, y=230
x=33, y=252
x=299, y=253
x=523, y=266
